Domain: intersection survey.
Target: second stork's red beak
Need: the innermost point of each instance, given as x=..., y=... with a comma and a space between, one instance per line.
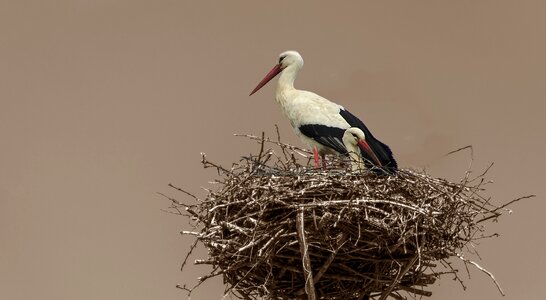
x=364, y=146
x=274, y=72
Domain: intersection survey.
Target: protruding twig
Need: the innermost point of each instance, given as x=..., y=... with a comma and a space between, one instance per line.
x=483, y=270
x=306, y=261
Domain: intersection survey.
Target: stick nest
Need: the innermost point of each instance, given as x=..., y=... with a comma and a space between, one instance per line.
x=276, y=228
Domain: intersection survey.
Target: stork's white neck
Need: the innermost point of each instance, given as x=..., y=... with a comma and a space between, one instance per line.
x=286, y=80
x=356, y=160
x=354, y=152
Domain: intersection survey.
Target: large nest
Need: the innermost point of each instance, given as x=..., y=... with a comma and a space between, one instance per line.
x=277, y=228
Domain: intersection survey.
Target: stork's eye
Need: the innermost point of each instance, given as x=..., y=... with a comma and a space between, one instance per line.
x=281, y=58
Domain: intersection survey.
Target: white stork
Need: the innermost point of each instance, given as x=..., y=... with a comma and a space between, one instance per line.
x=354, y=141
x=319, y=122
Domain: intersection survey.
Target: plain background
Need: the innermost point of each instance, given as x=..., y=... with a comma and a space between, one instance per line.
x=103, y=103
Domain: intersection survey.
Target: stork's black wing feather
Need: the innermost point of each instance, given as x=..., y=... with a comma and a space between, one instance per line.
x=355, y=122
x=382, y=151
x=331, y=137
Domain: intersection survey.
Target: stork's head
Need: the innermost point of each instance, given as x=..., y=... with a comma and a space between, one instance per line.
x=290, y=58
x=287, y=59
x=354, y=137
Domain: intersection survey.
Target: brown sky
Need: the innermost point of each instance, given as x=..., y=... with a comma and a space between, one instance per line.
x=103, y=103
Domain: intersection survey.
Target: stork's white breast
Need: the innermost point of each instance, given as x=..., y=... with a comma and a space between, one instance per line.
x=303, y=107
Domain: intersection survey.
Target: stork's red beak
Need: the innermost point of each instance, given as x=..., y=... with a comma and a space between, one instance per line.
x=364, y=146
x=274, y=72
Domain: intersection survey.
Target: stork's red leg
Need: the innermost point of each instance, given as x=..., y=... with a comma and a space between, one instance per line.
x=315, y=154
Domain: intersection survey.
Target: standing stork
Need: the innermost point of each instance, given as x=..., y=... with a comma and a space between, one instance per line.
x=319, y=122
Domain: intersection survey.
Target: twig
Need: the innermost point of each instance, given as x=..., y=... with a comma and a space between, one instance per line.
x=399, y=276
x=494, y=214
x=483, y=270
x=183, y=191
x=306, y=261
x=192, y=247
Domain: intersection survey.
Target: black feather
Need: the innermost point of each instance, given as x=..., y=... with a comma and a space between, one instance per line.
x=331, y=137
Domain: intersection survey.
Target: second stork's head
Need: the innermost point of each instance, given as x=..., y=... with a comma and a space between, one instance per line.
x=354, y=141
x=289, y=61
